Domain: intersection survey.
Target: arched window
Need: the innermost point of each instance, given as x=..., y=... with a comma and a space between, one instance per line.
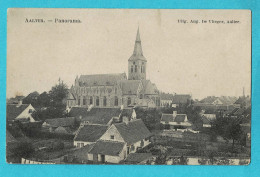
x=79, y=101
x=105, y=101
x=84, y=100
x=135, y=68
x=115, y=90
x=141, y=69
x=97, y=101
x=116, y=101
x=141, y=96
x=91, y=100
x=132, y=69
x=128, y=101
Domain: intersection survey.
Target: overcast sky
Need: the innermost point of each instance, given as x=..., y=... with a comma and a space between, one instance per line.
x=198, y=59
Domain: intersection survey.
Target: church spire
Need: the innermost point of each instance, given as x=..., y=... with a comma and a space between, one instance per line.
x=138, y=52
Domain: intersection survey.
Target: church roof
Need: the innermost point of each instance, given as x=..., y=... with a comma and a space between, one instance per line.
x=130, y=87
x=101, y=79
x=138, y=52
x=61, y=122
x=149, y=88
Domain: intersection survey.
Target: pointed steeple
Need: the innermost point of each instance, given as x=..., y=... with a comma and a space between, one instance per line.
x=138, y=52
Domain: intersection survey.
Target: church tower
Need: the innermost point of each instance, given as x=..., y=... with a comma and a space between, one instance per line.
x=137, y=62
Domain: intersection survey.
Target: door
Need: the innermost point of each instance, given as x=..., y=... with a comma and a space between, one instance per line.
x=103, y=158
x=95, y=158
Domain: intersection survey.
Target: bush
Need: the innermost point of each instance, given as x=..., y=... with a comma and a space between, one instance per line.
x=23, y=149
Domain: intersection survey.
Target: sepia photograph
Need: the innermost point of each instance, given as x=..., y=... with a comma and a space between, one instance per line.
x=128, y=86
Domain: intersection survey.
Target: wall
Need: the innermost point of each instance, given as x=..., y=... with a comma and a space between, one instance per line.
x=85, y=143
x=112, y=131
x=26, y=114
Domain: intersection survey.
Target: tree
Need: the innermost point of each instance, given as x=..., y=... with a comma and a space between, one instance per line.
x=23, y=149
x=32, y=99
x=58, y=94
x=228, y=127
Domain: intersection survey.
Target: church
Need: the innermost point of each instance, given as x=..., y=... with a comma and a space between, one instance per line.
x=115, y=90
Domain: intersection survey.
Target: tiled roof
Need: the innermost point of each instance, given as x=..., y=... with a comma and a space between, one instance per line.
x=95, y=115
x=112, y=148
x=61, y=130
x=180, y=99
x=166, y=96
x=101, y=79
x=138, y=157
x=130, y=87
x=133, y=131
x=243, y=100
x=208, y=118
x=90, y=133
x=61, y=122
x=170, y=118
x=14, y=110
x=225, y=100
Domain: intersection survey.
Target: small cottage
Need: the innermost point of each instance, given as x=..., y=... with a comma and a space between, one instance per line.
x=175, y=121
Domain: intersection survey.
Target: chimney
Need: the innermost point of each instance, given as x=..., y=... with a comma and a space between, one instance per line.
x=174, y=113
x=125, y=120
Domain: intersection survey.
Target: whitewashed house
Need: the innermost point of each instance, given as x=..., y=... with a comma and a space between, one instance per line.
x=19, y=112
x=175, y=121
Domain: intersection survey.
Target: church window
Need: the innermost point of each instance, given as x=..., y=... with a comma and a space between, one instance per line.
x=84, y=100
x=116, y=101
x=141, y=69
x=134, y=63
x=105, y=101
x=141, y=96
x=128, y=101
x=115, y=90
x=91, y=100
x=97, y=101
x=132, y=69
x=135, y=68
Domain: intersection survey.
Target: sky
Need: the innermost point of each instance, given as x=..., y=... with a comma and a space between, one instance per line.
x=203, y=59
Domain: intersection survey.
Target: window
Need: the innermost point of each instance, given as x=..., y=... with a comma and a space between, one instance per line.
x=116, y=101
x=84, y=100
x=79, y=101
x=82, y=144
x=91, y=100
x=141, y=69
x=112, y=137
x=105, y=101
x=97, y=101
x=134, y=63
x=128, y=101
x=78, y=144
x=135, y=68
x=30, y=110
x=132, y=69
x=141, y=96
x=115, y=90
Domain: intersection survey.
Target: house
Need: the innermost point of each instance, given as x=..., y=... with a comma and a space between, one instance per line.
x=16, y=100
x=244, y=101
x=19, y=112
x=89, y=134
x=59, y=125
x=139, y=158
x=101, y=116
x=119, y=140
x=166, y=99
x=108, y=152
x=175, y=121
x=207, y=119
x=181, y=99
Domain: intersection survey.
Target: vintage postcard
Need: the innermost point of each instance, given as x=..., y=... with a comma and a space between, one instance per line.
x=128, y=86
